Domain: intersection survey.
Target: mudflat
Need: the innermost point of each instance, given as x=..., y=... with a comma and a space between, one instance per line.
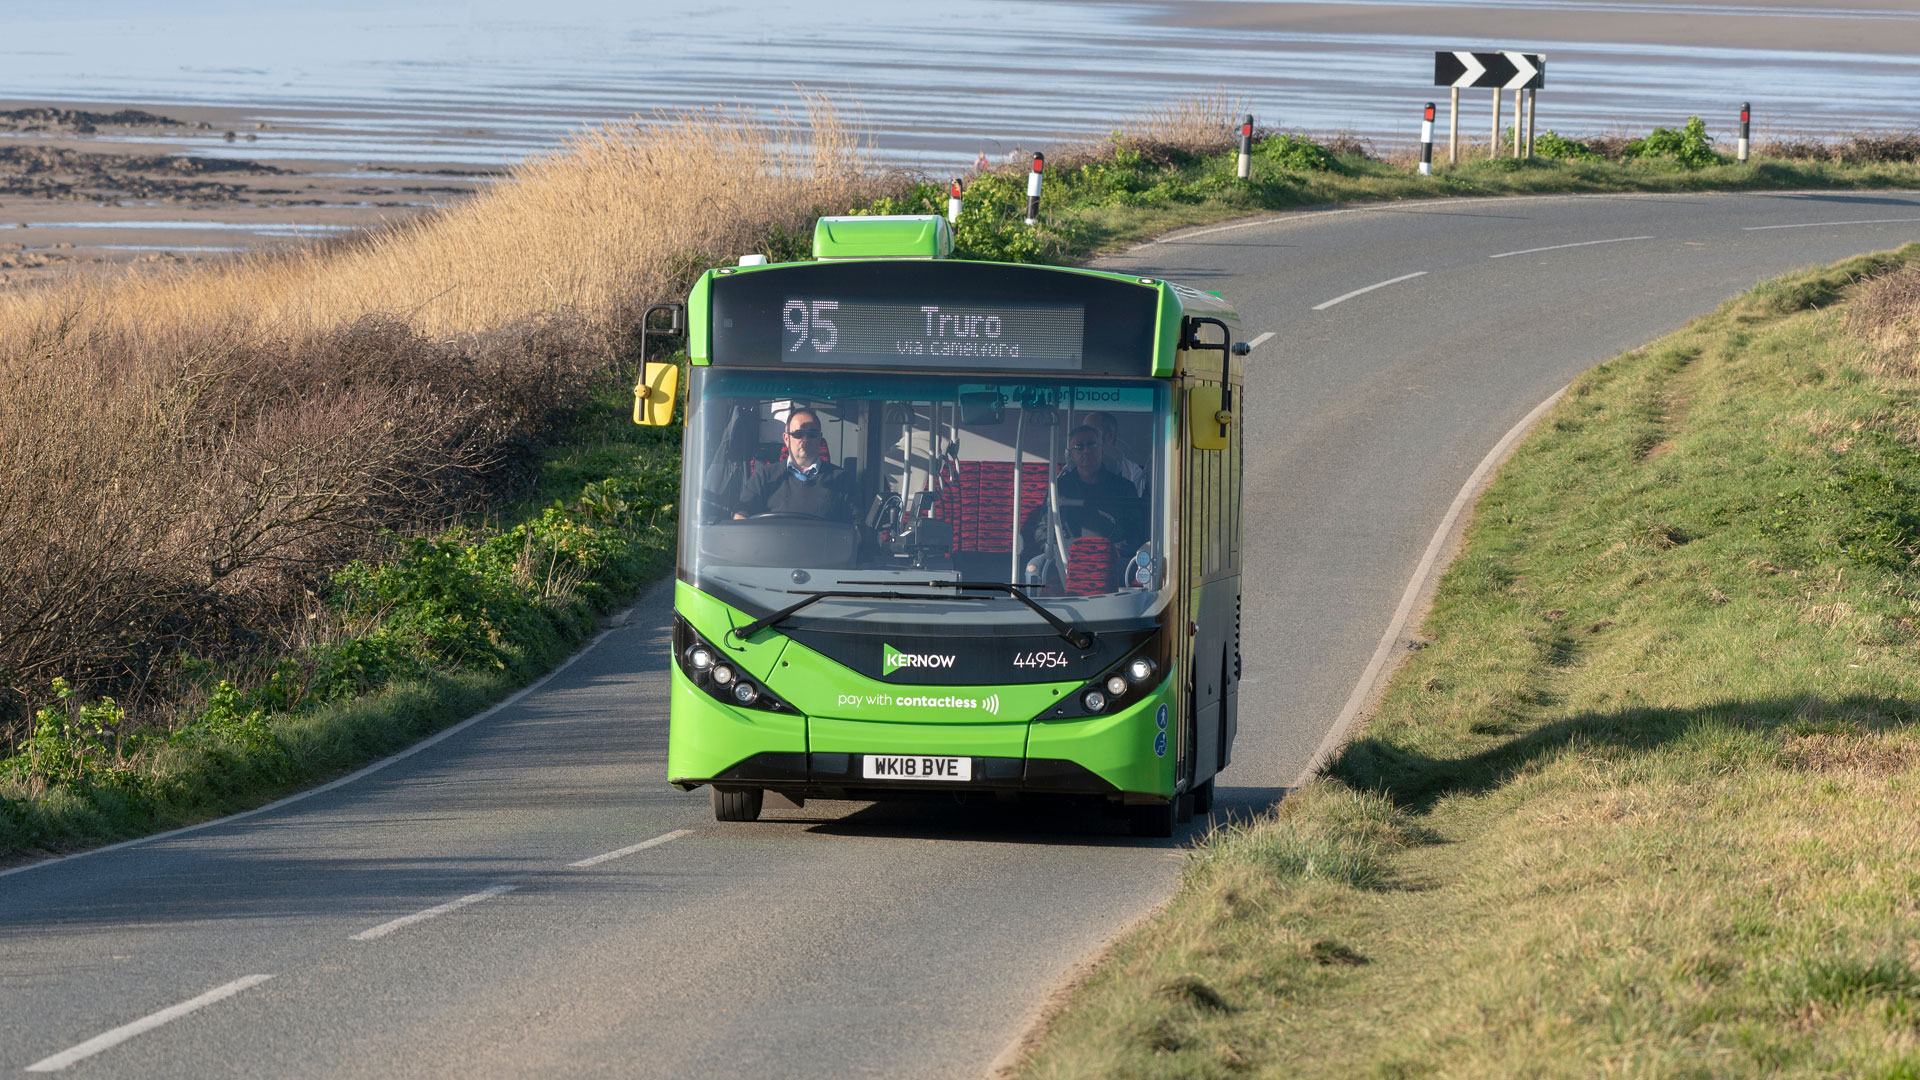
x=1880, y=27
x=87, y=188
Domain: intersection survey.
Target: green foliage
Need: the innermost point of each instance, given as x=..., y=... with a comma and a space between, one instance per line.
x=1690, y=147
x=1295, y=152
x=502, y=602
x=1552, y=144
x=992, y=221
x=73, y=743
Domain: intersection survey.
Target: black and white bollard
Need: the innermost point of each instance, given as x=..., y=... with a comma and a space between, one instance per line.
x=1246, y=147
x=1746, y=118
x=1426, y=142
x=953, y=202
x=1033, y=188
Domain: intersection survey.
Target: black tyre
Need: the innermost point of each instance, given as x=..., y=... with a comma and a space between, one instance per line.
x=1153, y=819
x=1183, y=808
x=1203, y=798
x=737, y=804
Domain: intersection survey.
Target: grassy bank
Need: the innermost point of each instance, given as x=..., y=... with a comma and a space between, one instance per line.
x=1646, y=802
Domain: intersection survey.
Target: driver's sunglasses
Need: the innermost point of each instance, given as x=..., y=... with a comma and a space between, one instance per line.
x=808, y=432
x=1082, y=445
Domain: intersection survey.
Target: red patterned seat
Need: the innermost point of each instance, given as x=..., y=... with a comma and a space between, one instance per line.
x=1093, y=566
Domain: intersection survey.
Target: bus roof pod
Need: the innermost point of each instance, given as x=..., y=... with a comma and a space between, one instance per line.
x=882, y=236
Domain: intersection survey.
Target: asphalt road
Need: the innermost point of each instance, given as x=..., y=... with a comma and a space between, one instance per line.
x=427, y=918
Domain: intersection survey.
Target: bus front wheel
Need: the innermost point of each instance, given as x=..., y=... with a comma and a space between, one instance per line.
x=737, y=804
x=1153, y=819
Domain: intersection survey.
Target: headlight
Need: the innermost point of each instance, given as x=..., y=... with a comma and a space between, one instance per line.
x=1140, y=670
x=1116, y=686
x=714, y=674
x=1094, y=701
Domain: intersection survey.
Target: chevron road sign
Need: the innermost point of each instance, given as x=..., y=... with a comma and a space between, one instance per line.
x=1499, y=70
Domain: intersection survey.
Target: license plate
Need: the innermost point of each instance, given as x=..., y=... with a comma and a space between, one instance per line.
x=915, y=767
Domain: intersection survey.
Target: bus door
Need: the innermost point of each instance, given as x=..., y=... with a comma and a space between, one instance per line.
x=1211, y=600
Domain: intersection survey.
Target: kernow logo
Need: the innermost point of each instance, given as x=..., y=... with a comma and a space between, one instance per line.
x=892, y=659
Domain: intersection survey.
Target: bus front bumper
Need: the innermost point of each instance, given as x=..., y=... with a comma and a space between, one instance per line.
x=1122, y=756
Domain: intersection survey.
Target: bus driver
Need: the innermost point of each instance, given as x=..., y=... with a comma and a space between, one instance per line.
x=1093, y=501
x=807, y=485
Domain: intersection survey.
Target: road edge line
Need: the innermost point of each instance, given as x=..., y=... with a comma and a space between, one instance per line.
x=618, y=621
x=1418, y=595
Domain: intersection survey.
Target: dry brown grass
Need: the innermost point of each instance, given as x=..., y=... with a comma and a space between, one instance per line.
x=184, y=455
x=1885, y=315
x=619, y=216
x=1205, y=123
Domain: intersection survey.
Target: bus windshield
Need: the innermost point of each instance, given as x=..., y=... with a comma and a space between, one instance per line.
x=822, y=481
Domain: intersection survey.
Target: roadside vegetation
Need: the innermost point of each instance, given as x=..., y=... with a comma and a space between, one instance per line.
x=1647, y=802
x=272, y=517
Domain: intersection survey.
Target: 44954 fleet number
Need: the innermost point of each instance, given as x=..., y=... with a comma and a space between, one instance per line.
x=1039, y=659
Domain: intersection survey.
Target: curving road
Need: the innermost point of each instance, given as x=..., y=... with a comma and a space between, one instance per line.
x=526, y=895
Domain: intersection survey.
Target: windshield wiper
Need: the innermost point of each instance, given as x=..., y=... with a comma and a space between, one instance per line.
x=813, y=596
x=1074, y=636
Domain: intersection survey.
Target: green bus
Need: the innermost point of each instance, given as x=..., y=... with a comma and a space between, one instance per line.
x=953, y=528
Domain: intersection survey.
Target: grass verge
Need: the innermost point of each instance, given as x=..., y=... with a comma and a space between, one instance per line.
x=1181, y=172
x=1646, y=803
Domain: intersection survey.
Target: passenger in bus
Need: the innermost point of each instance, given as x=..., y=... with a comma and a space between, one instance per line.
x=1112, y=458
x=807, y=484
x=1093, y=501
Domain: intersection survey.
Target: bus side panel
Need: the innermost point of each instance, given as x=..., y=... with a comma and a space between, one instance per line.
x=1217, y=605
x=706, y=738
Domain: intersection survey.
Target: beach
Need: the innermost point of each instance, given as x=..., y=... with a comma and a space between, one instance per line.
x=126, y=141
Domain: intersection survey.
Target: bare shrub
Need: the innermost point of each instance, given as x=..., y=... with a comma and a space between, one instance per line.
x=1858, y=148
x=1206, y=123
x=1349, y=144
x=1613, y=147
x=185, y=455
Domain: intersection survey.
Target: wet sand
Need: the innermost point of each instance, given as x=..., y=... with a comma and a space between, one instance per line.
x=1883, y=27
x=95, y=188
x=357, y=144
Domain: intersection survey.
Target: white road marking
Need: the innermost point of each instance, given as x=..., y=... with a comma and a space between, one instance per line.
x=1259, y=341
x=1363, y=690
x=625, y=851
x=108, y=1040
x=1820, y=224
x=1370, y=288
x=403, y=921
x=1557, y=247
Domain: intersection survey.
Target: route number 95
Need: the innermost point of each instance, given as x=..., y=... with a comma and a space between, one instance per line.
x=809, y=322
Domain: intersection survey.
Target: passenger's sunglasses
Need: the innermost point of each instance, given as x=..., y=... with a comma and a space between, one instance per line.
x=808, y=432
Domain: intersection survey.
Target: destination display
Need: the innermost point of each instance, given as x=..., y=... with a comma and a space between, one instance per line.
x=822, y=330
x=936, y=315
